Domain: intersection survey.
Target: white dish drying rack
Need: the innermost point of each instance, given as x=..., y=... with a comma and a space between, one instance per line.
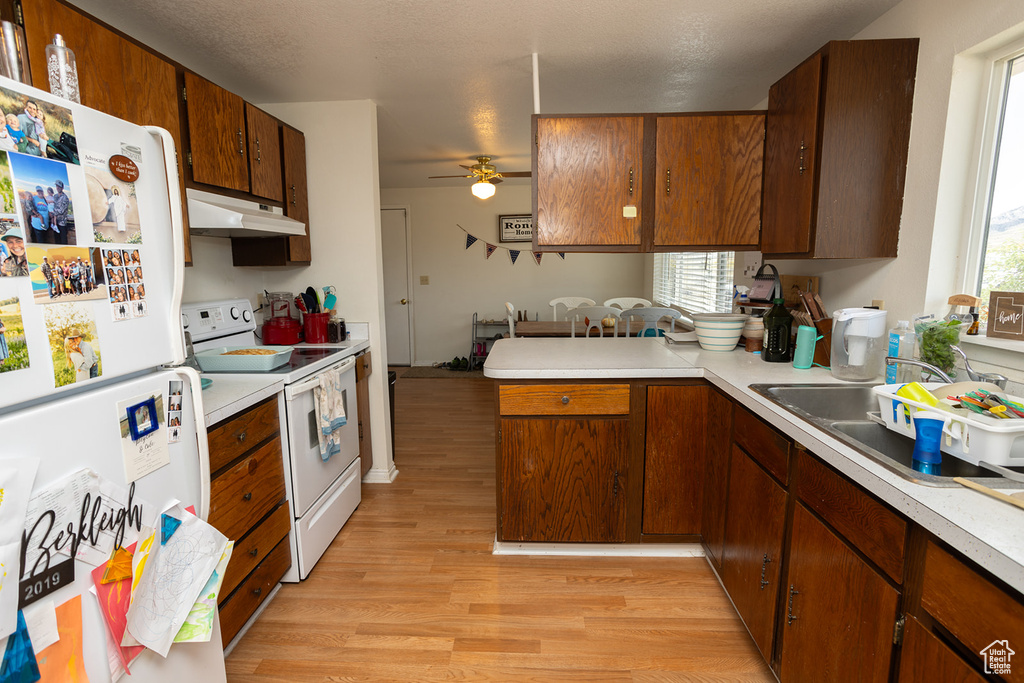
x=968, y=436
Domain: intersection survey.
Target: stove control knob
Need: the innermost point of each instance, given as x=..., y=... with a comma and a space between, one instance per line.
x=234, y=313
x=246, y=315
x=184, y=321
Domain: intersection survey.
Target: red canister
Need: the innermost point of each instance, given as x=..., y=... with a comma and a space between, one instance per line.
x=281, y=331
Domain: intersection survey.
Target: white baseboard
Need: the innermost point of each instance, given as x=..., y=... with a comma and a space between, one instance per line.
x=376, y=476
x=600, y=549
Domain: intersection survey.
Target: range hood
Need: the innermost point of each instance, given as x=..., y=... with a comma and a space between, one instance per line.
x=214, y=215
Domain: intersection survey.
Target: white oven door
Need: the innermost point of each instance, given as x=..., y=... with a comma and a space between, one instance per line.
x=311, y=474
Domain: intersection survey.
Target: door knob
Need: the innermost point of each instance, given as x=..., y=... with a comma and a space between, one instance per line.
x=405, y=301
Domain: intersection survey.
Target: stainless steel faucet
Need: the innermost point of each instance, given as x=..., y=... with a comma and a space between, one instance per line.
x=990, y=377
x=893, y=360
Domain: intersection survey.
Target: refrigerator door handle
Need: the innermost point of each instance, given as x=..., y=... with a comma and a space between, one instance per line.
x=203, y=509
x=177, y=238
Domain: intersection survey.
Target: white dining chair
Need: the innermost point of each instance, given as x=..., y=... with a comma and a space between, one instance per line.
x=570, y=302
x=590, y=317
x=511, y=320
x=628, y=302
x=650, y=316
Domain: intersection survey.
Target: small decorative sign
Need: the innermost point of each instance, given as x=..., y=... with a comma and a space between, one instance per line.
x=123, y=168
x=40, y=585
x=1006, y=315
x=515, y=228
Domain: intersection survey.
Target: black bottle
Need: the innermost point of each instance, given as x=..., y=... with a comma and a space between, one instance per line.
x=778, y=324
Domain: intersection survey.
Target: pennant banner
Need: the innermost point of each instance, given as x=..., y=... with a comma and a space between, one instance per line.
x=513, y=254
x=537, y=256
x=469, y=240
x=561, y=255
x=490, y=250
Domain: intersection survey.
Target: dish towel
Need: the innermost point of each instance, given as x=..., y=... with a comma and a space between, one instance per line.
x=330, y=412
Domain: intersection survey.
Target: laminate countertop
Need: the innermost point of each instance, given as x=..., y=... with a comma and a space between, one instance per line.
x=986, y=530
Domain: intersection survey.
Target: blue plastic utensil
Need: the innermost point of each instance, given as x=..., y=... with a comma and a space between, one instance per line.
x=329, y=298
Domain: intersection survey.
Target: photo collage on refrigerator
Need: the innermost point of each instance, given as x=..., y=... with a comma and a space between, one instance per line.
x=69, y=223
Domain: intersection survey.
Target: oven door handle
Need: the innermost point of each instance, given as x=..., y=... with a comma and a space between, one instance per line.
x=293, y=390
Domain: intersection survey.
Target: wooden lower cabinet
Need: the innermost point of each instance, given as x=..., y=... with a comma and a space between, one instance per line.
x=236, y=609
x=674, y=459
x=716, y=474
x=755, y=523
x=926, y=658
x=564, y=479
x=363, y=369
x=840, y=613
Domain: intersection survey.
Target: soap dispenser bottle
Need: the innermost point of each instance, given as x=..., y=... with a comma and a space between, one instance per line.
x=61, y=69
x=778, y=324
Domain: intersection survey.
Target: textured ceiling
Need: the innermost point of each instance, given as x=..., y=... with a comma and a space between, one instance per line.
x=453, y=79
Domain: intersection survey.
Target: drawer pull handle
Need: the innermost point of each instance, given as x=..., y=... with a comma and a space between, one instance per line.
x=241, y=146
x=254, y=552
x=565, y=400
x=257, y=591
x=241, y=437
x=790, y=617
x=247, y=497
x=764, y=567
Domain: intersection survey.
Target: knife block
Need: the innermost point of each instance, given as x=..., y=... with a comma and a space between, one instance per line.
x=823, y=348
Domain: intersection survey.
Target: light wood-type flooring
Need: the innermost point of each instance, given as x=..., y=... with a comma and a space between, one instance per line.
x=409, y=590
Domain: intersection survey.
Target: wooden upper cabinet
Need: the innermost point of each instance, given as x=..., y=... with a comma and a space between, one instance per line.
x=264, y=154
x=588, y=173
x=840, y=613
x=296, y=201
x=217, y=134
x=674, y=459
x=837, y=135
x=708, y=180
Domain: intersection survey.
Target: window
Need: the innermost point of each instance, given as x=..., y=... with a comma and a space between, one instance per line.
x=1002, y=238
x=699, y=282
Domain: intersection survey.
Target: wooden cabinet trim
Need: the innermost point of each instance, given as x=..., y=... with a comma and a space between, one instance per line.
x=564, y=399
x=762, y=442
x=867, y=524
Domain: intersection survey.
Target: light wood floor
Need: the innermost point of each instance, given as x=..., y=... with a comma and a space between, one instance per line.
x=410, y=591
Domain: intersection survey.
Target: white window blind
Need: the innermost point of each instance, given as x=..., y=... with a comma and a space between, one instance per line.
x=700, y=282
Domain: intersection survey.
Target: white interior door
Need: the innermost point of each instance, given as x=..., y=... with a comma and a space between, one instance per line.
x=397, y=306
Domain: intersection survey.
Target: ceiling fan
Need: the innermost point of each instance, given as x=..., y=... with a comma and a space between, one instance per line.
x=487, y=176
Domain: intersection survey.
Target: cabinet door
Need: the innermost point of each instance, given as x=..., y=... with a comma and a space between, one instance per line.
x=216, y=129
x=840, y=612
x=296, y=202
x=363, y=412
x=588, y=169
x=790, y=159
x=754, y=526
x=563, y=479
x=674, y=458
x=925, y=658
x=708, y=182
x=264, y=153
x=101, y=82
x=716, y=474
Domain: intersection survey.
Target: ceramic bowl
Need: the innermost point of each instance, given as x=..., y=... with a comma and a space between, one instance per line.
x=719, y=331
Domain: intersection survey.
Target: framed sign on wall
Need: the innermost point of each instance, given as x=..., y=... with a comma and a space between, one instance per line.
x=515, y=228
x=1006, y=315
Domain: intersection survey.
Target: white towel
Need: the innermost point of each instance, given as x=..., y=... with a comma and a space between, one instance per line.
x=330, y=412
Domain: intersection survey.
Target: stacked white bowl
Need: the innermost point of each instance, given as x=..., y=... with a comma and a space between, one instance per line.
x=719, y=331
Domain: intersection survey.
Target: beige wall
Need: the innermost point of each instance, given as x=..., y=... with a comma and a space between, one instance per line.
x=344, y=218
x=463, y=281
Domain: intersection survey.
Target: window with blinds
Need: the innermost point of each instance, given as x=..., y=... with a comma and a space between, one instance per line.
x=700, y=282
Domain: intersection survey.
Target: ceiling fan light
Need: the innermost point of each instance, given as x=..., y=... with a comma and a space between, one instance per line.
x=483, y=189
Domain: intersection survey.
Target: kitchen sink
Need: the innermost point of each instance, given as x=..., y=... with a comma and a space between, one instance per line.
x=844, y=411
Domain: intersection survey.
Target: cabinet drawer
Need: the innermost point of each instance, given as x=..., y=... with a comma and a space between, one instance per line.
x=972, y=609
x=245, y=493
x=364, y=366
x=564, y=399
x=763, y=443
x=875, y=530
x=251, y=550
x=238, y=435
x=254, y=590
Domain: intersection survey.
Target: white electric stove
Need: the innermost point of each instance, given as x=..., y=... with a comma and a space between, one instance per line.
x=322, y=494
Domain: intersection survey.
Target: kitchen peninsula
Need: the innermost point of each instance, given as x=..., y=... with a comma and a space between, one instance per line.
x=634, y=441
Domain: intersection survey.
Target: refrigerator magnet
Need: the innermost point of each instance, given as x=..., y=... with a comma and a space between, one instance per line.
x=142, y=418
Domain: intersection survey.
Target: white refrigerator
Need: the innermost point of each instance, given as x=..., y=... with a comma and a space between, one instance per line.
x=84, y=376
